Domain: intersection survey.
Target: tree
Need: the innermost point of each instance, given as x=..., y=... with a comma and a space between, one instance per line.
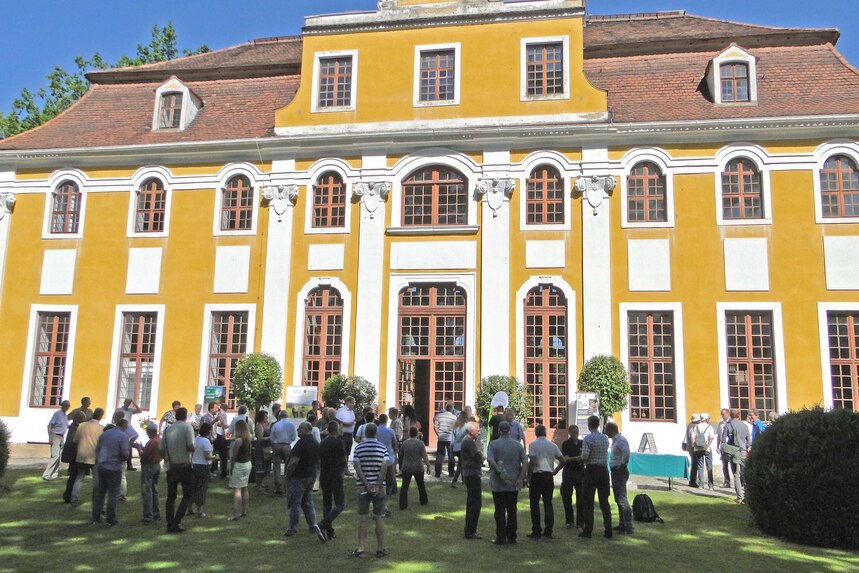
x=520, y=401
x=258, y=380
x=606, y=376
x=32, y=109
x=5, y=440
x=338, y=387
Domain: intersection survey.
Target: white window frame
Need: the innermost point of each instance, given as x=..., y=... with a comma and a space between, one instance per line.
x=137, y=180
x=314, y=92
x=58, y=177
x=663, y=161
x=457, y=50
x=207, y=331
x=821, y=155
x=823, y=308
x=560, y=163
x=345, y=339
x=778, y=348
x=348, y=174
x=572, y=328
x=225, y=174
x=468, y=282
x=121, y=309
x=734, y=55
x=38, y=418
x=757, y=156
x=523, y=67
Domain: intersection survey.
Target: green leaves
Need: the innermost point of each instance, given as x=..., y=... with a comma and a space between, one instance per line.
x=258, y=380
x=5, y=451
x=338, y=387
x=520, y=401
x=606, y=376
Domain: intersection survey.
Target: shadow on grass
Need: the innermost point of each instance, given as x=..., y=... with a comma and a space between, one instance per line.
x=39, y=533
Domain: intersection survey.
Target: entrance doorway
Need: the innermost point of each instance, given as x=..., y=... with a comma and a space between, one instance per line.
x=431, y=353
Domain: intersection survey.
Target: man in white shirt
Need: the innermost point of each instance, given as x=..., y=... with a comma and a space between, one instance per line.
x=128, y=409
x=619, y=477
x=56, y=435
x=195, y=418
x=443, y=426
x=542, y=468
x=346, y=417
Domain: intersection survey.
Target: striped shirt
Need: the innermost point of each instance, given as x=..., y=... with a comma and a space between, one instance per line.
x=370, y=454
x=595, y=449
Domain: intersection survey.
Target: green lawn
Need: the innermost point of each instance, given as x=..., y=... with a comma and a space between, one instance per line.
x=39, y=533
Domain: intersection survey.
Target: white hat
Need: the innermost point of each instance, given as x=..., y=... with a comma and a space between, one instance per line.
x=705, y=416
x=696, y=417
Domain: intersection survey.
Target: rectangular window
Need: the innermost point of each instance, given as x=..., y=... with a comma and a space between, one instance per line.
x=735, y=82
x=335, y=82
x=751, y=363
x=228, y=344
x=651, y=366
x=171, y=111
x=843, y=330
x=437, y=76
x=544, y=70
x=49, y=362
x=137, y=357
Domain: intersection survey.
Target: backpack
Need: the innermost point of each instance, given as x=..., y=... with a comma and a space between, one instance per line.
x=700, y=440
x=643, y=510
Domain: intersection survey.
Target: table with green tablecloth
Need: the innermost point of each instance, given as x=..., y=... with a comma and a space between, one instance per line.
x=659, y=465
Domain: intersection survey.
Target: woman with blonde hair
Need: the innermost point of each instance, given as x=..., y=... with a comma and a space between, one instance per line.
x=240, y=469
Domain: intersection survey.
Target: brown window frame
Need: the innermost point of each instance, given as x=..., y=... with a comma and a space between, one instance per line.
x=742, y=190
x=437, y=81
x=651, y=361
x=51, y=346
x=329, y=202
x=224, y=351
x=844, y=358
x=538, y=204
x=647, y=176
x=139, y=335
x=237, y=204
x=150, y=207
x=323, y=336
x=537, y=72
x=749, y=352
x=170, y=110
x=545, y=319
x=730, y=85
x=843, y=170
x=66, y=208
x=414, y=188
x=339, y=79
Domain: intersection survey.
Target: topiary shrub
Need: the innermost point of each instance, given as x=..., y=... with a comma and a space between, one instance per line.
x=257, y=380
x=520, y=401
x=606, y=376
x=5, y=440
x=338, y=387
x=801, y=475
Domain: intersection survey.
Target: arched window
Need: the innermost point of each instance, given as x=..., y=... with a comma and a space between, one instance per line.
x=839, y=187
x=237, y=204
x=546, y=354
x=329, y=201
x=545, y=201
x=66, y=208
x=323, y=335
x=645, y=194
x=151, y=205
x=742, y=194
x=435, y=195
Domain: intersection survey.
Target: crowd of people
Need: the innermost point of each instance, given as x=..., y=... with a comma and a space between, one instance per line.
x=194, y=448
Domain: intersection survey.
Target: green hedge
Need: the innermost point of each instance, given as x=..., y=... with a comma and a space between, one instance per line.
x=5, y=439
x=801, y=478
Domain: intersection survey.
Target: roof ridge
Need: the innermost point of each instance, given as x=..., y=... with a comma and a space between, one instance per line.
x=659, y=15
x=764, y=26
x=75, y=104
x=842, y=59
x=275, y=39
x=155, y=64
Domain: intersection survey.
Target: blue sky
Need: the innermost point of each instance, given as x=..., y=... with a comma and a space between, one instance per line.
x=39, y=34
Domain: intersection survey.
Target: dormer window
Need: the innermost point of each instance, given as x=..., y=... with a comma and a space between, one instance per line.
x=176, y=106
x=171, y=111
x=732, y=77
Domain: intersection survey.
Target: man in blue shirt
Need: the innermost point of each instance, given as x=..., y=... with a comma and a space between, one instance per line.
x=389, y=439
x=758, y=426
x=56, y=434
x=111, y=451
x=596, y=480
x=282, y=435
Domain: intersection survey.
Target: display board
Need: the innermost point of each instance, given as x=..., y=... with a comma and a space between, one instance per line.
x=586, y=405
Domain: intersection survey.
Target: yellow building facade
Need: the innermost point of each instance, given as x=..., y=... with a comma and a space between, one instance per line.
x=435, y=192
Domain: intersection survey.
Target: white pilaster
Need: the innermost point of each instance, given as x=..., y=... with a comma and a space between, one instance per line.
x=372, y=191
x=7, y=203
x=596, y=260
x=278, y=261
x=496, y=187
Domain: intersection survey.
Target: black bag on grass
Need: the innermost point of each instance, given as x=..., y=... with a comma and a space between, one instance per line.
x=643, y=510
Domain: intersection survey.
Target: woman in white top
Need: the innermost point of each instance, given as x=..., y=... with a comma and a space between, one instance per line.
x=200, y=461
